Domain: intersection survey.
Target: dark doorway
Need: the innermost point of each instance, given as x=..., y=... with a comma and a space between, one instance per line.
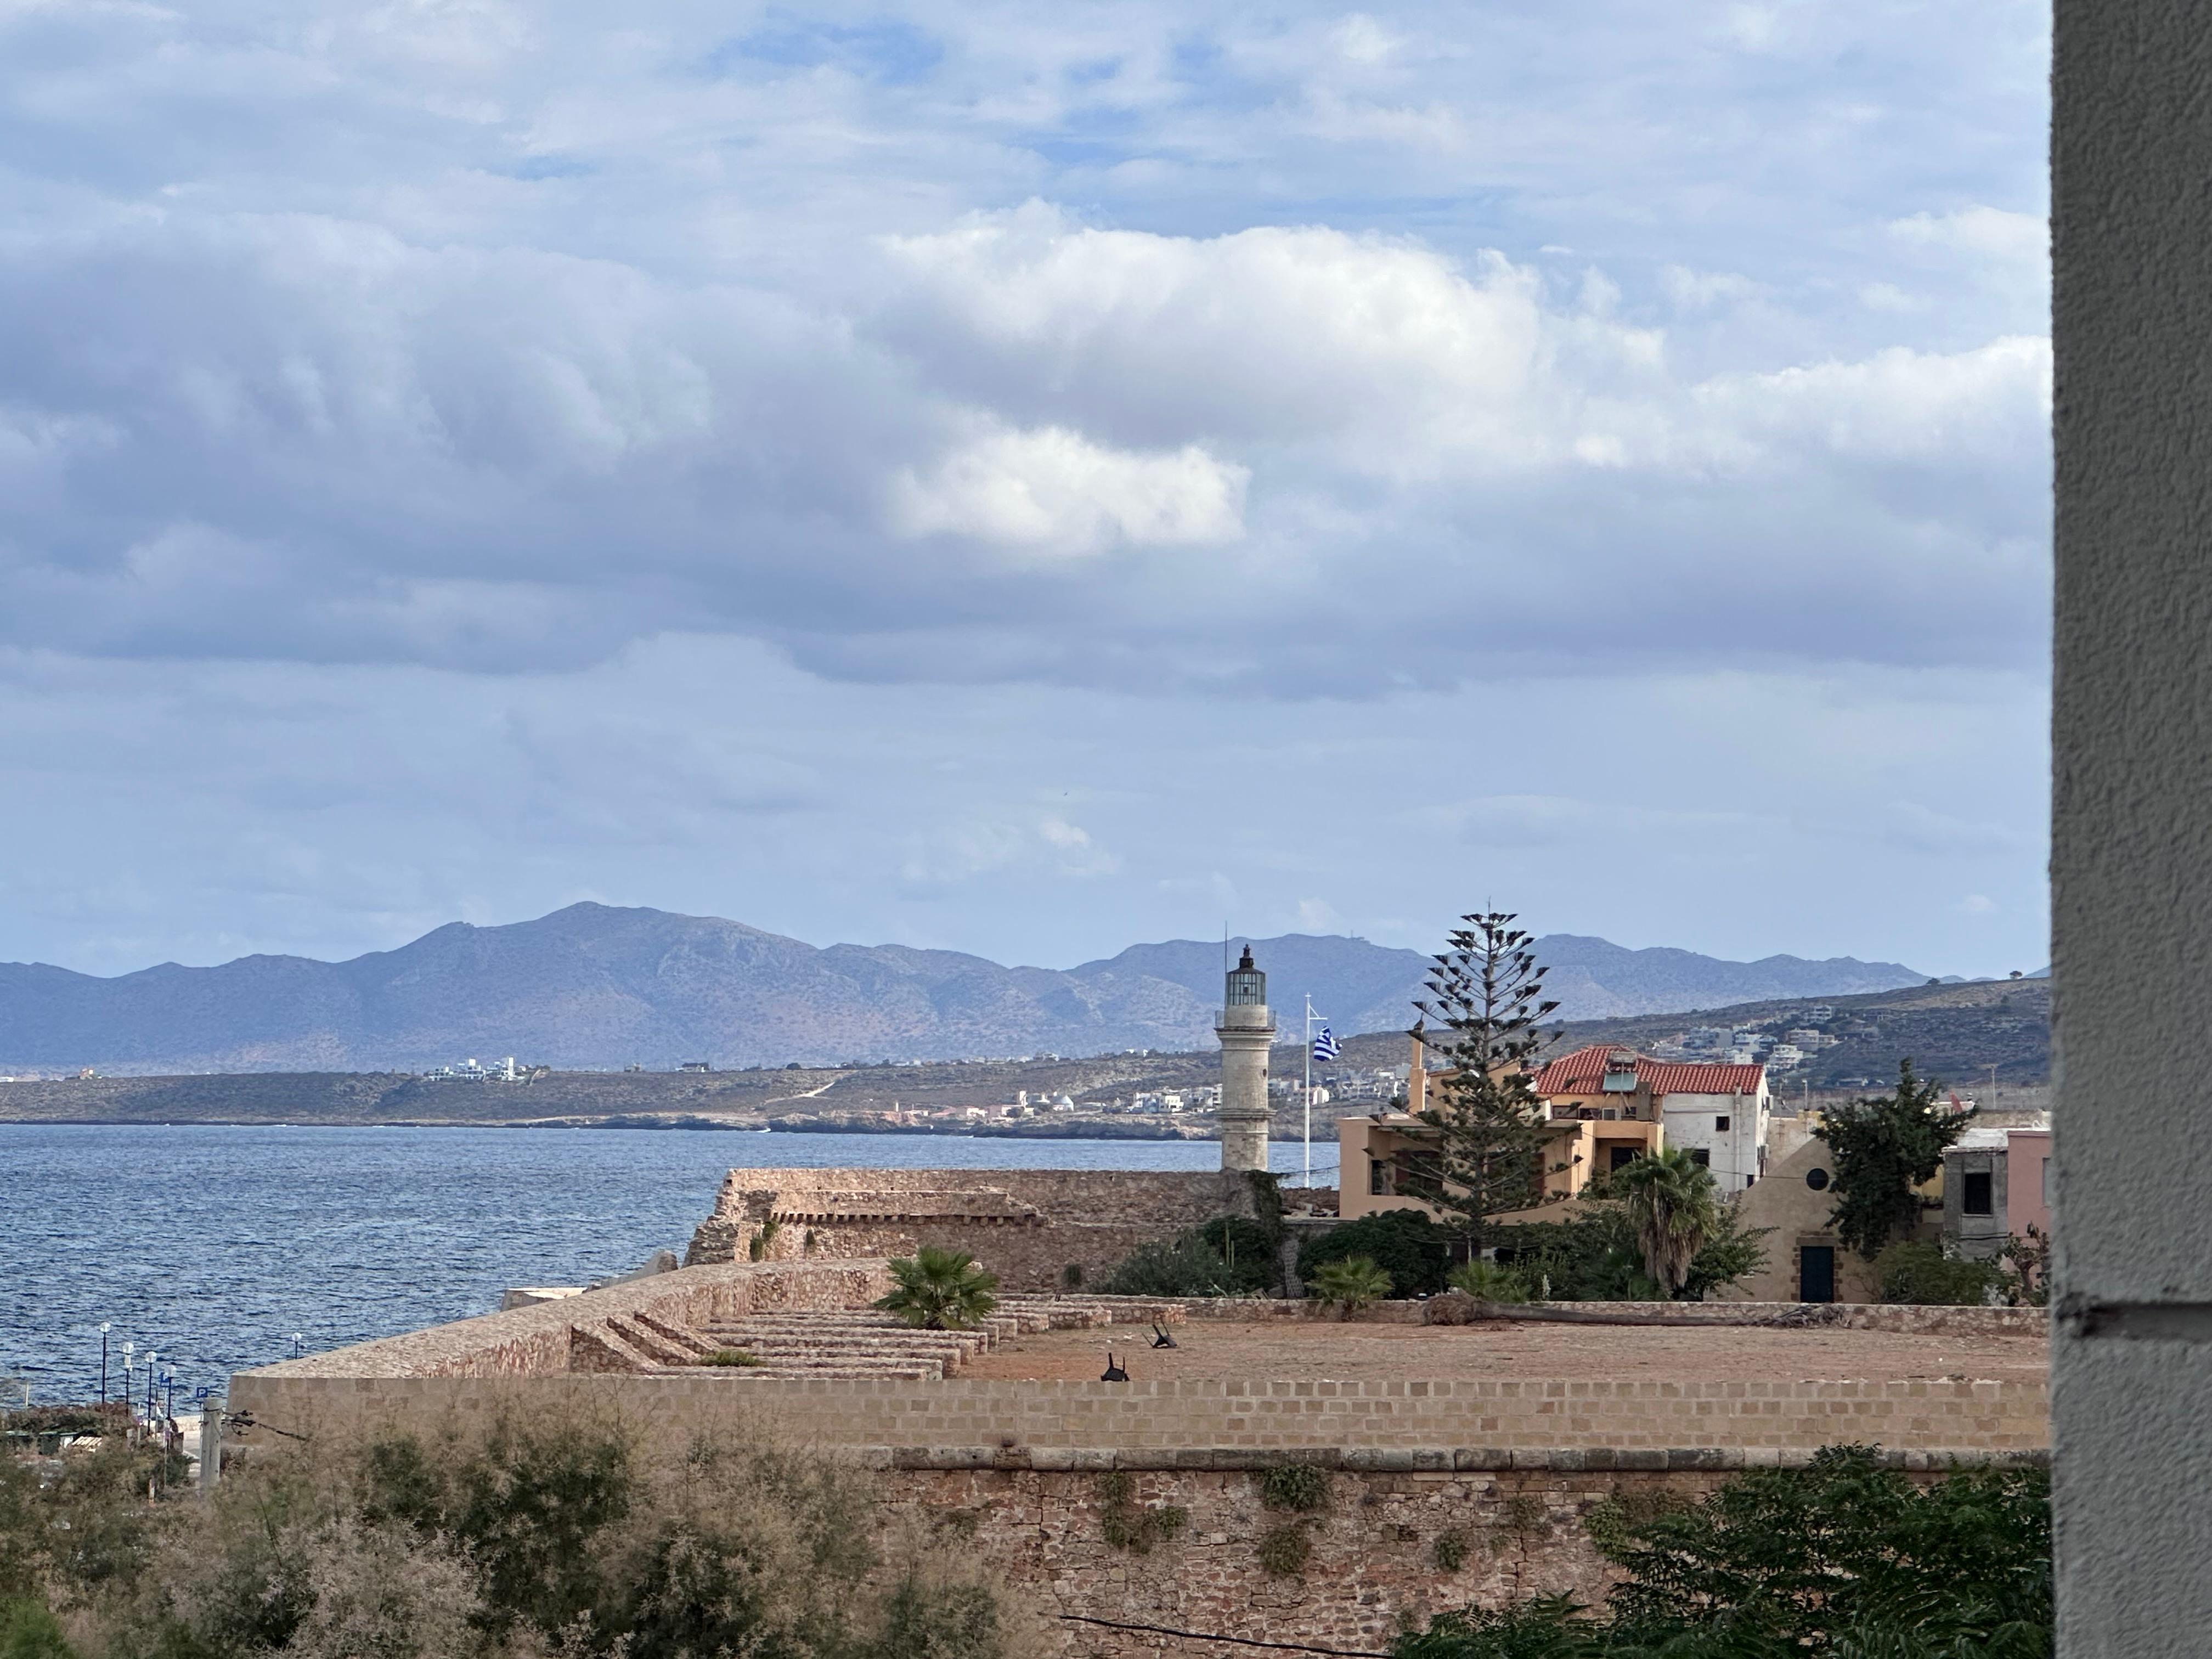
x=1623, y=1156
x=1816, y=1273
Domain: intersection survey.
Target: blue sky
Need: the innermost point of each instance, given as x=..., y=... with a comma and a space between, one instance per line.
x=1024, y=479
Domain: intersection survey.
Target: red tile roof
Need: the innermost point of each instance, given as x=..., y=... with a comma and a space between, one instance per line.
x=1583, y=1072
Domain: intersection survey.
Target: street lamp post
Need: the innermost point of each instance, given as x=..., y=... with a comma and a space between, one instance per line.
x=103, y=1362
x=152, y=1358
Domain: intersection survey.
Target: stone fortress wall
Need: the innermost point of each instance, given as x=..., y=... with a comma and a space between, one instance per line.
x=1028, y=1226
x=1039, y=1480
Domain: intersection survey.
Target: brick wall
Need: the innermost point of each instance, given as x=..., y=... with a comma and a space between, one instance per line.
x=1434, y=1424
x=1029, y=1226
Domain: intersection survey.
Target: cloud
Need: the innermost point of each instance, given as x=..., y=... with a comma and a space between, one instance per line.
x=1053, y=492
x=1987, y=232
x=388, y=395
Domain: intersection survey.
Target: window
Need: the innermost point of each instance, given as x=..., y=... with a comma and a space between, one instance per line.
x=1974, y=1198
x=1702, y=1156
x=1817, y=1180
x=1721, y=1125
x=1378, y=1176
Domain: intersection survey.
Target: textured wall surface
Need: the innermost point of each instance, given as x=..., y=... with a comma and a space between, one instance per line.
x=1028, y=1226
x=1434, y=1423
x=1372, y=1549
x=2131, y=856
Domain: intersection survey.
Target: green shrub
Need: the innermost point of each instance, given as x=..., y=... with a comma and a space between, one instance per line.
x=1249, y=1250
x=1127, y=1525
x=29, y=1631
x=1920, y=1272
x=1404, y=1243
x=926, y=1620
x=731, y=1357
x=1197, y=1263
x=1352, y=1284
x=565, y=1535
x=1841, y=1557
x=1451, y=1550
x=1299, y=1486
x=1284, y=1551
x=1486, y=1281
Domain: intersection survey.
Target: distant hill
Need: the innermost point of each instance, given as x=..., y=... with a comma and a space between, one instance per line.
x=596, y=986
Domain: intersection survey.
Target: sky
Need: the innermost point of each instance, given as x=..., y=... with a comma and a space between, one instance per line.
x=1024, y=479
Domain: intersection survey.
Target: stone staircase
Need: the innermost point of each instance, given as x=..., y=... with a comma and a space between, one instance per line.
x=861, y=1342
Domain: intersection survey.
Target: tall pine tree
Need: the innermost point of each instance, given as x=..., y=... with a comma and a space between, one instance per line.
x=1479, y=1019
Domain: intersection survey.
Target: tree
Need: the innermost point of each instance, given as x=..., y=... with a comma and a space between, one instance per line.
x=1842, y=1559
x=1732, y=1253
x=1674, y=1208
x=2024, y=1278
x=1884, y=1147
x=1404, y=1243
x=1486, y=994
x=1352, y=1284
x=939, y=1290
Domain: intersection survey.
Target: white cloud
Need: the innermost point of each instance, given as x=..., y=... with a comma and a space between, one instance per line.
x=529, y=344
x=1987, y=232
x=1053, y=492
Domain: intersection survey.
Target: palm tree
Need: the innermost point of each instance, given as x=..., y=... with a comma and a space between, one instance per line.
x=939, y=1290
x=1352, y=1284
x=1673, y=1207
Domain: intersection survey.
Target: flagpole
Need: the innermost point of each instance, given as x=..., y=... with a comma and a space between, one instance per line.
x=1309, y=1150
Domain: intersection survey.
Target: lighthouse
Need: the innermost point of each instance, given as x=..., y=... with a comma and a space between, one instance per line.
x=1247, y=1031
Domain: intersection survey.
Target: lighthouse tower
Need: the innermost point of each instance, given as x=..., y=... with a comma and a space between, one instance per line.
x=1247, y=1031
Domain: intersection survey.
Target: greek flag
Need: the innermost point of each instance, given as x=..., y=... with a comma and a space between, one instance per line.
x=1324, y=1045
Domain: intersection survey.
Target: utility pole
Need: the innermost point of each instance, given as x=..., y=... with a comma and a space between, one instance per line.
x=103, y=1362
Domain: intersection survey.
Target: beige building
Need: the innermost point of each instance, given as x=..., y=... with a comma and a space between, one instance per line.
x=1602, y=1107
x=1805, y=1260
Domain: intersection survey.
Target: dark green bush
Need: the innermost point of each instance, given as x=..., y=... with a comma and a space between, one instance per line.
x=1841, y=1559
x=1404, y=1243
x=28, y=1629
x=1197, y=1263
x=1300, y=1486
x=1922, y=1273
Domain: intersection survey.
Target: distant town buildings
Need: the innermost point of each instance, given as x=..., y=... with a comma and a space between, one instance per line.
x=469, y=1071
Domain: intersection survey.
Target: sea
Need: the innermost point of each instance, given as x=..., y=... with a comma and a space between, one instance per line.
x=211, y=1248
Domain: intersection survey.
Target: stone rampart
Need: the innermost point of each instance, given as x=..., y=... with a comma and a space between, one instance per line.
x=1029, y=1226
x=1384, y=1548
x=534, y=1339
x=1436, y=1422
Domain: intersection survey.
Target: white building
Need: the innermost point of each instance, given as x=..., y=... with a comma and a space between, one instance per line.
x=1718, y=1113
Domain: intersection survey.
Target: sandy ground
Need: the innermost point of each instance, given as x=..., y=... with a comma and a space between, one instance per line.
x=1278, y=1352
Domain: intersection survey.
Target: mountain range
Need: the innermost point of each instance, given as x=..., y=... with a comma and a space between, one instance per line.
x=596, y=986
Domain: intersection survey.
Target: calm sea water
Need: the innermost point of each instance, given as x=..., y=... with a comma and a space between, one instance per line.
x=213, y=1246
